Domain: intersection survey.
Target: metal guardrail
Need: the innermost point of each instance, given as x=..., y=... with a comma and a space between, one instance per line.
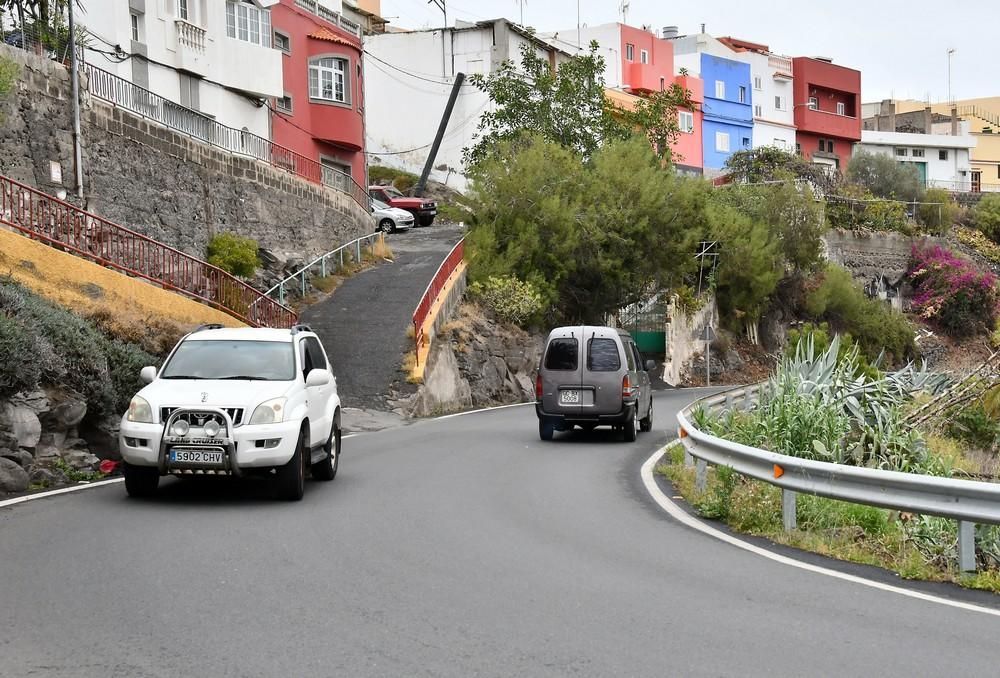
x=967, y=501
x=322, y=262
x=120, y=92
x=434, y=288
x=71, y=229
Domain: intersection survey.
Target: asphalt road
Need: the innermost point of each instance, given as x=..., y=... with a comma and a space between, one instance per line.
x=458, y=547
x=363, y=323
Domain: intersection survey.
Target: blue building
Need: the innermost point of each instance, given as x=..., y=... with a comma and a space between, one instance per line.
x=728, y=109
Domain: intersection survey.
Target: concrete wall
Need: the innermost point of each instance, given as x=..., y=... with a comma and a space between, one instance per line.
x=684, y=340
x=867, y=257
x=162, y=183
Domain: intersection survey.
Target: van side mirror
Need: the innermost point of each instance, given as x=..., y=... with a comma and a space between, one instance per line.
x=650, y=365
x=147, y=374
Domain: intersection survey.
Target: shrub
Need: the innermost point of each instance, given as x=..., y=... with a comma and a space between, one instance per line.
x=234, y=254
x=986, y=215
x=974, y=425
x=19, y=366
x=401, y=179
x=938, y=219
x=857, y=209
x=510, y=299
x=952, y=292
x=885, y=177
x=127, y=361
x=821, y=337
x=978, y=241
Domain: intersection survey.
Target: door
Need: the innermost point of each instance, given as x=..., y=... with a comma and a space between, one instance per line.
x=922, y=172
x=318, y=397
x=606, y=366
x=977, y=181
x=561, y=376
x=645, y=384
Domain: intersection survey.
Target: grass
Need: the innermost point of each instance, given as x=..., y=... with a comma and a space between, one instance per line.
x=91, y=289
x=840, y=530
x=75, y=475
x=410, y=366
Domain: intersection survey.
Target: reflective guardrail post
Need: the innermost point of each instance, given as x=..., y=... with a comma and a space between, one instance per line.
x=701, y=474
x=788, y=509
x=966, y=546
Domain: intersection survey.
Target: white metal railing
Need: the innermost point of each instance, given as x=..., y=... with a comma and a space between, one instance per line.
x=782, y=63
x=191, y=36
x=323, y=262
x=333, y=17
x=967, y=501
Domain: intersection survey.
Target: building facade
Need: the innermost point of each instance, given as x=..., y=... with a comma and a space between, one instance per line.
x=771, y=75
x=728, y=97
x=409, y=76
x=827, y=102
x=320, y=113
x=213, y=56
x=941, y=160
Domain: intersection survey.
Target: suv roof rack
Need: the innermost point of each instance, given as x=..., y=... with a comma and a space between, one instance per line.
x=208, y=326
x=300, y=328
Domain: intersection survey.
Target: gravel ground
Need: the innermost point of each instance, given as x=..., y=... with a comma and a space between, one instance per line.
x=363, y=324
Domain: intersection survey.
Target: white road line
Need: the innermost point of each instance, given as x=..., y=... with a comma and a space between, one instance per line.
x=682, y=516
x=64, y=490
x=484, y=409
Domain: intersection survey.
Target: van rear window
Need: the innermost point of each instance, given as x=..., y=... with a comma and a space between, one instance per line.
x=602, y=356
x=562, y=355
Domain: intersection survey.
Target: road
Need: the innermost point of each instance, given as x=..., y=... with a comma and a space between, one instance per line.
x=456, y=547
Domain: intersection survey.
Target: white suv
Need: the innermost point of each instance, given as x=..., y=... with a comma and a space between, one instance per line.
x=235, y=402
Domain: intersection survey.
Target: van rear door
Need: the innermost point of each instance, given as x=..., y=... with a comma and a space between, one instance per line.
x=562, y=374
x=603, y=375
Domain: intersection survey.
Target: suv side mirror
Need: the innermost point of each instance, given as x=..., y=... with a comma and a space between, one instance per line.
x=318, y=377
x=147, y=374
x=650, y=365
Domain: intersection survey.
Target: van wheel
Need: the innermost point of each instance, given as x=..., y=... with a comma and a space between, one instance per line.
x=545, y=428
x=631, y=428
x=646, y=423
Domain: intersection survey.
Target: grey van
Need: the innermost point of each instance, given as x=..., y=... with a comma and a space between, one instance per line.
x=593, y=376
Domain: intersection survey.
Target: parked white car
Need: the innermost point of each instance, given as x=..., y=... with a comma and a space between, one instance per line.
x=390, y=219
x=237, y=402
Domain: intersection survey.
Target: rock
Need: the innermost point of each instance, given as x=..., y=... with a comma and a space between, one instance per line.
x=22, y=458
x=8, y=441
x=66, y=410
x=36, y=401
x=47, y=454
x=102, y=437
x=13, y=478
x=23, y=423
x=46, y=477
x=81, y=461
x=733, y=360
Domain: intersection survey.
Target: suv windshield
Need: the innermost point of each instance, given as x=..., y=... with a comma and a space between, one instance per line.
x=392, y=192
x=258, y=360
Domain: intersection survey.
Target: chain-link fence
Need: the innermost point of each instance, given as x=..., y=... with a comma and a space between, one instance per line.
x=46, y=38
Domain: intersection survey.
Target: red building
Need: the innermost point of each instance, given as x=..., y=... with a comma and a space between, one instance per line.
x=321, y=115
x=827, y=102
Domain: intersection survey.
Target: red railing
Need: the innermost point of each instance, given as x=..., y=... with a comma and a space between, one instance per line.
x=433, y=290
x=68, y=228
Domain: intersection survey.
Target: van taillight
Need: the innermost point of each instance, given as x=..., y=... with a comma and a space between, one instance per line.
x=538, y=387
x=626, y=387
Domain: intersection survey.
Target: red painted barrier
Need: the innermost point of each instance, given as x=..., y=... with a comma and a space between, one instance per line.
x=70, y=229
x=433, y=290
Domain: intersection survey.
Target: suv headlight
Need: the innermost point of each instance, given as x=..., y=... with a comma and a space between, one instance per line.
x=139, y=411
x=270, y=412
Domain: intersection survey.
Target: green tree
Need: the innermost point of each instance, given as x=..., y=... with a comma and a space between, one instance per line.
x=233, y=254
x=769, y=163
x=938, y=218
x=885, y=177
x=986, y=215
x=568, y=107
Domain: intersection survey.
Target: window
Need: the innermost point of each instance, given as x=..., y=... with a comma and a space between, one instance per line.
x=814, y=103
x=746, y=142
x=603, y=356
x=685, y=120
x=901, y=152
x=779, y=103
x=562, y=355
x=779, y=143
x=285, y=104
x=136, y=25
x=629, y=52
x=247, y=22
x=743, y=94
x=630, y=356
x=644, y=56
x=756, y=82
x=829, y=146
x=942, y=155
x=822, y=145
x=282, y=42
x=722, y=142
x=663, y=84
x=189, y=91
x=182, y=9
x=918, y=152
x=758, y=111
x=720, y=89
x=260, y=360
x=328, y=79
x=841, y=109
x=313, y=353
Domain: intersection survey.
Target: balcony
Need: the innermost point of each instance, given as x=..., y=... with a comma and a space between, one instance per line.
x=824, y=123
x=782, y=66
x=191, y=47
x=334, y=18
x=645, y=78
x=696, y=86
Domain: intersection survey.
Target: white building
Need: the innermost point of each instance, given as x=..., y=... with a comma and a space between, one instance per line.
x=214, y=56
x=773, y=112
x=408, y=77
x=942, y=160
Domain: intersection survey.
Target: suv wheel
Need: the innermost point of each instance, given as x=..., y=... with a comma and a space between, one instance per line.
x=646, y=423
x=632, y=427
x=326, y=469
x=545, y=428
x=290, y=481
x=140, y=481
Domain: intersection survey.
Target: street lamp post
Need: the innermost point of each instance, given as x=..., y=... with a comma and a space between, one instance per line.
x=951, y=51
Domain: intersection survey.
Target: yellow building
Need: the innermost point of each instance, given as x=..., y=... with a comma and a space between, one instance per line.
x=983, y=118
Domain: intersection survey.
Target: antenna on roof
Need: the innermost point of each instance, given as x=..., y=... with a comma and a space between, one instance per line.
x=623, y=7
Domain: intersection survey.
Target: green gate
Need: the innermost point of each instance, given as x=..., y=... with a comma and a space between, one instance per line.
x=646, y=322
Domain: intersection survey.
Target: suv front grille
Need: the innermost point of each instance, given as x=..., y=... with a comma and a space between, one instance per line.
x=235, y=413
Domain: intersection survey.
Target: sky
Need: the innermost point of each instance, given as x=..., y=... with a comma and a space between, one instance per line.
x=900, y=46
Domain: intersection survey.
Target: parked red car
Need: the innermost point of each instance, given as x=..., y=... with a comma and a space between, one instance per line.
x=422, y=210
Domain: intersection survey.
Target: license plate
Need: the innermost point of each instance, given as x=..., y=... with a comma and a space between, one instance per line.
x=432, y=212
x=206, y=457
x=569, y=397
